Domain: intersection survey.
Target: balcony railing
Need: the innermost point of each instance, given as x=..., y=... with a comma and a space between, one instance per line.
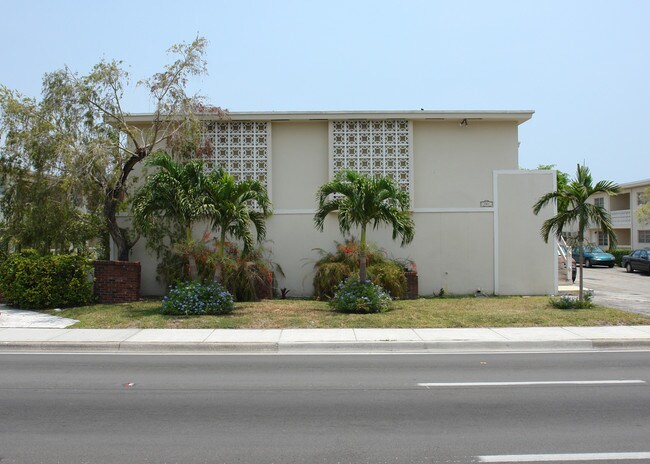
x=621, y=218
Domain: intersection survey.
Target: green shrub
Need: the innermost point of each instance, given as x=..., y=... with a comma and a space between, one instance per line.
x=353, y=296
x=390, y=276
x=196, y=298
x=333, y=268
x=572, y=302
x=28, y=280
x=618, y=254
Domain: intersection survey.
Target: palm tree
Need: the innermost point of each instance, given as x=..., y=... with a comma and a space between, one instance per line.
x=235, y=206
x=174, y=193
x=574, y=196
x=360, y=200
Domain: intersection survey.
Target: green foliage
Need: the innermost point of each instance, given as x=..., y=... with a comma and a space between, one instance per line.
x=570, y=302
x=334, y=268
x=28, y=280
x=45, y=203
x=359, y=201
x=235, y=206
x=197, y=299
x=619, y=253
x=354, y=296
x=79, y=131
x=248, y=276
x=390, y=276
x=176, y=197
x=574, y=208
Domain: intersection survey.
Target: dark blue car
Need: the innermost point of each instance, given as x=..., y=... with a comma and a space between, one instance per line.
x=593, y=256
x=638, y=260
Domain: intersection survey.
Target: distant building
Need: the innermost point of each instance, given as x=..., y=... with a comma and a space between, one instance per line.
x=630, y=233
x=471, y=204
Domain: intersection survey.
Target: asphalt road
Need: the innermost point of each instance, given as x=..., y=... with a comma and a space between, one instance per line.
x=617, y=289
x=57, y=408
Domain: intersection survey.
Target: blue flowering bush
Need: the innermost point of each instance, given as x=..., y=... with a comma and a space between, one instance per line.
x=354, y=296
x=572, y=302
x=197, y=299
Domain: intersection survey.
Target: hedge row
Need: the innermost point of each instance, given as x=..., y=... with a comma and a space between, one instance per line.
x=619, y=253
x=28, y=280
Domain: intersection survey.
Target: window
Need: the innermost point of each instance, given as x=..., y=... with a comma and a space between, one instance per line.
x=602, y=238
x=599, y=202
x=372, y=148
x=641, y=198
x=241, y=148
x=644, y=236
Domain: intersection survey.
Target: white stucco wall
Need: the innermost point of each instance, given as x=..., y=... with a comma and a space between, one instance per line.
x=525, y=264
x=455, y=246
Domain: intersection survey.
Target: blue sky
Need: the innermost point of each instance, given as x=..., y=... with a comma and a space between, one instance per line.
x=583, y=66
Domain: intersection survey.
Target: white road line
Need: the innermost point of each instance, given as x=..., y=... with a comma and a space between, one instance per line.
x=515, y=384
x=566, y=457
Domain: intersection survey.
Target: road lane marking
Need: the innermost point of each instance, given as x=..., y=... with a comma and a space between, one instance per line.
x=517, y=384
x=566, y=457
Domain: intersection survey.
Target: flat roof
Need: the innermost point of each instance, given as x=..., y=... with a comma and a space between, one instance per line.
x=518, y=116
x=635, y=184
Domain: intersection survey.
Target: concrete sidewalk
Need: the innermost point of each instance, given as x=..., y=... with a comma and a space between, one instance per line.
x=326, y=340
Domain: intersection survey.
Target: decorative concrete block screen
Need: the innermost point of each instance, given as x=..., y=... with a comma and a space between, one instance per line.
x=241, y=148
x=380, y=147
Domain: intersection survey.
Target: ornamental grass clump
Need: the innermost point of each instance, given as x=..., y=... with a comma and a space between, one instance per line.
x=198, y=299
x=334, y=267
x=354, y=296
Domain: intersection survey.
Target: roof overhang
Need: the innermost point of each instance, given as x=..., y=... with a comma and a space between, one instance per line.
x=635, y=184
x=518, y=117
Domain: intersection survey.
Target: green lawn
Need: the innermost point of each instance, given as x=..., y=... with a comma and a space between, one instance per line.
x=445, y=312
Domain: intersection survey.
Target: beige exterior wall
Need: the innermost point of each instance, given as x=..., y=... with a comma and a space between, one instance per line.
x=453, y=165
x=299, y=165
x=455, y=246
x=523, y=259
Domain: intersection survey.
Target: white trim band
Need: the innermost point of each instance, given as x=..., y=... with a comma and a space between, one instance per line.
x=524, y=384
x=566, y=457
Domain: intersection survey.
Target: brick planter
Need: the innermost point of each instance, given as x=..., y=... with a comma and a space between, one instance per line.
x=411, y=285
x=117, y=281
x=264, y=290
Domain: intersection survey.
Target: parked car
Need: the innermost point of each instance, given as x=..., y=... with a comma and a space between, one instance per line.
x=638, y=260
x=594, y=256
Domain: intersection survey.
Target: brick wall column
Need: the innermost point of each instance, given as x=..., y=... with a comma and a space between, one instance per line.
x=411, y=285
x=117, y=281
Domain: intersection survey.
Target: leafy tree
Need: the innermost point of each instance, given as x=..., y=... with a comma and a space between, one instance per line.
x=575, y=195
x=102, y=143
x=44, y=206
x=360, y=201
x=170, y=202
x=643, y=212
x=562, y=180
x=236, y=205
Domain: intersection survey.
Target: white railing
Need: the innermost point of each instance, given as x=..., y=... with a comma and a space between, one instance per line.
x=565, y=258
x=621, y=218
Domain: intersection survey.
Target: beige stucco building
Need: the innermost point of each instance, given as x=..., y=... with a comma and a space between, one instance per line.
x=630, y=232
x=471, y=204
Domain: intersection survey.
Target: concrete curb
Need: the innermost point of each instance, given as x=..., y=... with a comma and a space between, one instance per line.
x=328, y=347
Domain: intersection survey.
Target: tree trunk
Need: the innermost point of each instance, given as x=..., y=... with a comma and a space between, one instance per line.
x=363, y=275
x=582, y=264
x=218, y=271
x=191, y=260
x=116, y=232
x=113, y=196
